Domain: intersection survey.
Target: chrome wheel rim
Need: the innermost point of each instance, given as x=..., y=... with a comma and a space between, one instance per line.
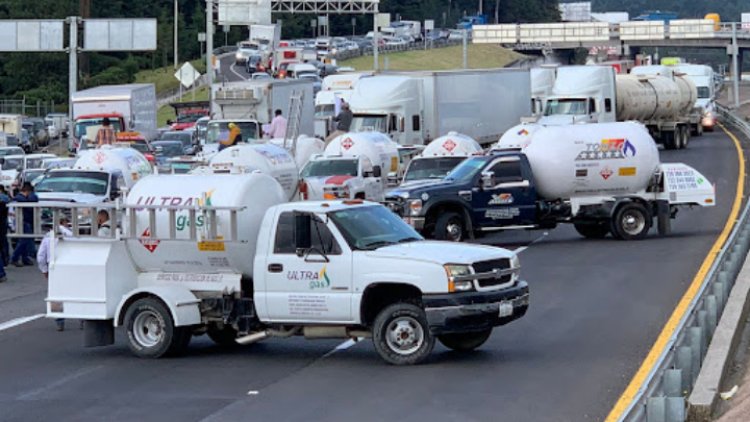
x=633, y=222
x=148, y=329
x=404, y=335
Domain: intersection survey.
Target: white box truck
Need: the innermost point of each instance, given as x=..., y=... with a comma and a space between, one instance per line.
x=259, y=99
x=131, y=110
x=417, y=107
x=224, y=255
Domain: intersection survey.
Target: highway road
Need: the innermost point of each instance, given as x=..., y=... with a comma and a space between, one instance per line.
x=596, y=309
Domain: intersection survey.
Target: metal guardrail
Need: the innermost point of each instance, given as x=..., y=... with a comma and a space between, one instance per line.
x=663, y=395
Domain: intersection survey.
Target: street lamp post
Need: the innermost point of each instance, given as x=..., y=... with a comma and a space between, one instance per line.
x=176, y=45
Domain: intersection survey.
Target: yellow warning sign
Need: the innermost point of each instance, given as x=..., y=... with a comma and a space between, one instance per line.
x=211, y=246
x=626, y=171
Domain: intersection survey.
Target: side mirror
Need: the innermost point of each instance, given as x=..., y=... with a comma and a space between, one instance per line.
x=302, y=237
x=376, y=171
x=488, y=180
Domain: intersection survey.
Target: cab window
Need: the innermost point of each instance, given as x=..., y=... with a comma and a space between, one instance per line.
x=322, y=238
x=507, y=171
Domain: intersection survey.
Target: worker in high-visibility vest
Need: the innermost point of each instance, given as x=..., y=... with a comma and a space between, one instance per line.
x=235, y=137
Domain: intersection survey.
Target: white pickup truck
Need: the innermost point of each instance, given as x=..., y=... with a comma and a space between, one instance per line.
x=225, y=255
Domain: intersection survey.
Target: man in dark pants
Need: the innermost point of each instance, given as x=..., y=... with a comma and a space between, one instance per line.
x=4, y=246
x=24, y=252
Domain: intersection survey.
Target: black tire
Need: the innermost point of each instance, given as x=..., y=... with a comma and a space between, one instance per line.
x=465, y=342
x=450, y=226
x=392, y=324
x=598, y=230
x=685, y=137
x=631, y=221
x=664, y=224
x=147, y=340
x=224, y=336
x=183, y=335
x=668, y=139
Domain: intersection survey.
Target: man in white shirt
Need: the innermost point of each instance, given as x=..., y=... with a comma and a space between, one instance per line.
x=278, y=126
x=43, y=257
x=102, y=218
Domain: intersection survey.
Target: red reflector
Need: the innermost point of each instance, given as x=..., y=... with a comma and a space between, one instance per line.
x=290, y=54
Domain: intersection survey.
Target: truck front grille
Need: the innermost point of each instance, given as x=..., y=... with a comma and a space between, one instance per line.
x=395, y=204
x=498, y=265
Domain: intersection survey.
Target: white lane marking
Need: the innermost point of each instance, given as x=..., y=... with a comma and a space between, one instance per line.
x=252, y=393
x=18, y=321
x=538, y=239
x=343, y=346
x=231, y=69
x=54, y=385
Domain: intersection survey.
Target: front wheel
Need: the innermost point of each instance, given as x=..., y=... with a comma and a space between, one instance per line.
x=151, y=330
x=401, y=334
x=465, y=342
x=450, y=226
x=632, y=221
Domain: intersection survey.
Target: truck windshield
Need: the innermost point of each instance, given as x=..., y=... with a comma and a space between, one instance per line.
x=325, y=110
x=704, y=92
x=431, y=168
x=320, y=168
x=219, y=131
x=82, y=125
x=13, y=163
x=190, y=118
x=362, y=123
x=74, y=182
x=372, y=227
x=569, y=106
x=466, y=171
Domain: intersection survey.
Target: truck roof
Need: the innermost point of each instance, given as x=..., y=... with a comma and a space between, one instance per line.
x=322, y=206
x=109, y=92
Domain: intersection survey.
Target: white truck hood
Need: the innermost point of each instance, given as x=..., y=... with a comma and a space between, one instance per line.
x=316, y=185
x=442, y=252
x=80, y=198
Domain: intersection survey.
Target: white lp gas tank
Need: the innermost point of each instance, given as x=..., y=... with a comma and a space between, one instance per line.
x=379, y=148
x=256, y=192
x=598, y=159
x=131, y=163
x=266, y=158
x=307, y=146
x=453, y=144
x=517, y=137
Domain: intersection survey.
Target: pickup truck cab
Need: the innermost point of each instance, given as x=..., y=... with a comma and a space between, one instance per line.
x=341, y=177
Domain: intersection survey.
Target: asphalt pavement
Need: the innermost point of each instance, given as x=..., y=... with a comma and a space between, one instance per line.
x=596, y=308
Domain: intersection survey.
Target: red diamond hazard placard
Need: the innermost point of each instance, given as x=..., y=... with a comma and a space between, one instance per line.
x=149, y=244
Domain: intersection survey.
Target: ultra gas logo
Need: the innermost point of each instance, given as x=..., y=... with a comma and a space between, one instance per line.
x=522, y=132
x=316, y=280
x=182, y=221
x=607, y=149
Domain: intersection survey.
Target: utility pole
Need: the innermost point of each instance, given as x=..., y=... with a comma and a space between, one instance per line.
x=735, y=67
x=84, y=11
x=176, y=25
x=210, y=41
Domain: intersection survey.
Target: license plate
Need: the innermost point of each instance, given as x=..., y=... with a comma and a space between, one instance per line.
x=506, y=309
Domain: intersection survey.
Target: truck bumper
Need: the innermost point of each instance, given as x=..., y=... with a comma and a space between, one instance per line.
x=475, y=311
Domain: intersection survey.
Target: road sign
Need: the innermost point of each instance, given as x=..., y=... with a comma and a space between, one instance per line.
x=429, y=25
x=244, y=12
x=119, y=34
x=201, y=37
x=383, y=19
x=187, y=75
x=31, y=35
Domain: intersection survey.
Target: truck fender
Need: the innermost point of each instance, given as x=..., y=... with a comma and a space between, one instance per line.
x=464, y=211
x=181, y=302
x=623, y=200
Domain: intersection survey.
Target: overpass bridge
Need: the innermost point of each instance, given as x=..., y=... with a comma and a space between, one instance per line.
x=625, y=38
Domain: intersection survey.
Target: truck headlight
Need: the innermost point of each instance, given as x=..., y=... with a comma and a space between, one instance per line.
x=414, y=206
x=453, y=271
x=515, y=263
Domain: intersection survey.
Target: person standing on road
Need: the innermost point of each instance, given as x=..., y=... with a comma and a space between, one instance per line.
x=43, y=257
x=277, y=130
x=25, y=251
x=4, y=246
x=105, y=230
x=343, y=122
x=105, y=135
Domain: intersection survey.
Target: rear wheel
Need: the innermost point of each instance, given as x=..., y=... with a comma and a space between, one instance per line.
x=465, y=342
x=224, y=336
x=598, y=230
x=151, y=330
x=632, y=221
x=450, y=226
x=668, y=139
x=685, y=132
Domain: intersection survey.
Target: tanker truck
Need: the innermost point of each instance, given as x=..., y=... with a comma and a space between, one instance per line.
x=223, y=255
x=353, y=165
x=653, y=95
x=601, y=177
x=440, y=157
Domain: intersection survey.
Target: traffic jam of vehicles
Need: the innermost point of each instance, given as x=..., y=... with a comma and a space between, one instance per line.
x=337, y=207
